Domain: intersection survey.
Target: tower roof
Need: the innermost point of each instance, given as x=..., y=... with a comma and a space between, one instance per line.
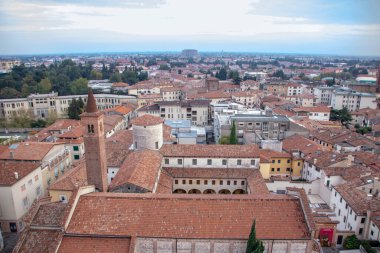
x=91, y=102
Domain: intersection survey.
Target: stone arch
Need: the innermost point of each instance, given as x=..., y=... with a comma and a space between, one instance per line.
x=239, y=191
x=179, y=191
x=209, y=191
x=194, y=191
x=224, y=191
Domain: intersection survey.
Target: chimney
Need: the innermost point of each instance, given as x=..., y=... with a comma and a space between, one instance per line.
x=315, y=161
x=11, y=154
x=16, y=175
x=369, y=196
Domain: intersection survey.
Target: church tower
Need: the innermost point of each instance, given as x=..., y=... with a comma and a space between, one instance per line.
x=94, y=143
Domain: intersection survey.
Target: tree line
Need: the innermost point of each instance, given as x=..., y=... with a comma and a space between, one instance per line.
x=66, y=78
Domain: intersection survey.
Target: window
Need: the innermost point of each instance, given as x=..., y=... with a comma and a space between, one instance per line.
x=272, y=169
x=340, y=200
x=278, y=161
x=198, y=181
x=76, y=157
x=224, y=162
x=238, y=162
x=346, y=205
x=23, y=187
x=190, y=181
x=183, y=181
x=206, y=182
x=287, y=169
x=228, y=182
x=30, y=182
x=278, y=169
x=194, y=161
x=253, y=162
x=371, y=232
x=299, y=163
x=75, y=148
x=221, y=182
x=344, y=219
x=338, y=211
x=176, y=181
x=36, y=178
x=63, y=198
x=288, y=161
x=38, y=191
x=25, y=202
x=328, y=184
x=242, y=183
x=166, y=161
x=355, y=217
x=179, y=161
x=213, y=182
x=156, y=145
x=209, y=162
x=360, y=231
x=273, y=161
x=90, y=129
x=362, y=220
x=235, y=182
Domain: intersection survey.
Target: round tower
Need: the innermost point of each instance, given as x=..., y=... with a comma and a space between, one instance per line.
x=147, y=132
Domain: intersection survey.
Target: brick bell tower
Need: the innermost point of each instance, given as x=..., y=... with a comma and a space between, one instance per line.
x=94, y=143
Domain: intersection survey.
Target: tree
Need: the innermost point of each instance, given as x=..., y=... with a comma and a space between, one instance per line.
x=79, y=86
x=222, y=74
x=115, y=77
x=44, y=86
x=351, y=242
x=233, y=138
x=22, y=118
x=164, y=67
x=96, y=75
x=224, y=140
x=254, y=245
x=75, y=109
x=279, y=73
x=129, y=76
x=343, y=115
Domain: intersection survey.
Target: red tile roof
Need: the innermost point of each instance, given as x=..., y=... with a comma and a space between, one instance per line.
x=147, y=120
x=73, y=178
x=8, y=169
x=27, y=151
x=222, y=151
x=71, y=244
x=184, y=216
x=117, y=147
x=140, y=168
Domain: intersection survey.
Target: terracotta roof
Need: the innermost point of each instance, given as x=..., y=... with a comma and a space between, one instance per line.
x=73, y=178
x=267, y=154
x=41, y=240
x=355, y=198
x=140, y=168
x=50, y=215
x=27, y=151
x=320, y=108
x=91, y=102
x=165, y=183
x=74, y=133
x=120, y=84
x=184, y=216
x=117, y=147
x=111, y=121
x=203, y=150
x=301, y=144
x=122, y=109
x=8, y=169
x=147, y=120
x=71, y=244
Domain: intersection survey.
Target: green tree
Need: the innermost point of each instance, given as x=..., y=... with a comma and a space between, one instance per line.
x=254, y=245
x=343, y=115
x=38, y=123
x=44, y=86
x=75, y=109
x=115, y=77
x=96, y=75
x=22, y=118
x=130, y=77
x=224, y=140
x=79, y=86
x=164, y=67
x=351, y=242
x=233, y=137
x=222, y=74
x=8, y=92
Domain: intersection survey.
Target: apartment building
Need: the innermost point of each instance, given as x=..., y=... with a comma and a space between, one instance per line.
x=44, y=104
x=324, y=94
x=195, y=110
x=20, y=185
x=352, y=100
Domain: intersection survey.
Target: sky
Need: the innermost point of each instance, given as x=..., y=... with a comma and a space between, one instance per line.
x=338, y=27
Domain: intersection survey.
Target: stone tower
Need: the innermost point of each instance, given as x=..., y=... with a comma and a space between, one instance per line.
x=94, y=143
x=147, y=132
x=212, y=84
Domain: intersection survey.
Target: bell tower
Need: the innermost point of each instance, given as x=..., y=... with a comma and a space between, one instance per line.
x=94, y=143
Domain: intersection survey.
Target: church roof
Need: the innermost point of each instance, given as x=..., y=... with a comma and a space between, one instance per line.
x=183, y=216
x=91, y=102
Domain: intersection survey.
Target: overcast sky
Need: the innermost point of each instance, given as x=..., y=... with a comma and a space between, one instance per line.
x=348, y=27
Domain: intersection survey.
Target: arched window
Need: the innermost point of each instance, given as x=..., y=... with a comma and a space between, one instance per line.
x=179, y=191
x=224, y=191
x=194, y=191
x=90, y=129
x=209, y=191
x=239, y=191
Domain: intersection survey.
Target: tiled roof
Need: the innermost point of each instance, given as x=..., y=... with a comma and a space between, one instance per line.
x=267, y=154
x=140, y=168
x=184, y=216
x=300, y=143
x=76, y=132
x=117, y=147
x=200, y=150
x=147, y=120
x=41, y=240
x=50, y=215
x=325, y=159
x=71, y=244
x=320, y=108
x=111, y=121
x=27, y=151
x=355, y=198
x=73, y=178
x=8, y=169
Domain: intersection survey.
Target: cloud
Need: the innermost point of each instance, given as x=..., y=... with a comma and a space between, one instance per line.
x=108, y=3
